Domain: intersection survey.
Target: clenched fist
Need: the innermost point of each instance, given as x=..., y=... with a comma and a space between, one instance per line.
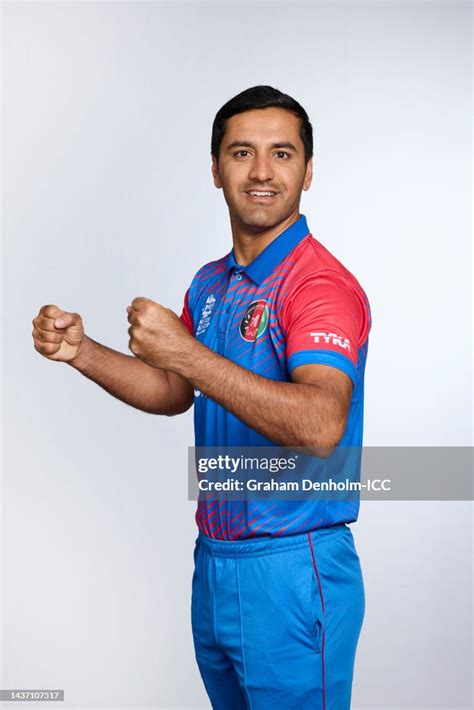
x=157, y=335
x=57, y=334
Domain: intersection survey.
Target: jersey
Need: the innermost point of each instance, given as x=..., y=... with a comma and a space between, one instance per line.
x=295, y=304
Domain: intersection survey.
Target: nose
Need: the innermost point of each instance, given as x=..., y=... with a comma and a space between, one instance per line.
x=261, y=168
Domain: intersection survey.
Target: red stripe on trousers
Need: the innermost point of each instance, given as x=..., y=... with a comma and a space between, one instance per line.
x=324, y=627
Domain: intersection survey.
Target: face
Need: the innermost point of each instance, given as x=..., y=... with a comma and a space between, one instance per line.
x=262, y=151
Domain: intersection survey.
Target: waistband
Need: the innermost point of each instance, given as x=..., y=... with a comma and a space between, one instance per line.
x=269, y=545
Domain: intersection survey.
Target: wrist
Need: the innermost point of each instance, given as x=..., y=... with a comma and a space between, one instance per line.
x=188, y=361
x=82, y=355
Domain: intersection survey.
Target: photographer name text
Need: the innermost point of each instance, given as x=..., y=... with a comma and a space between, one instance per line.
x=305, y=484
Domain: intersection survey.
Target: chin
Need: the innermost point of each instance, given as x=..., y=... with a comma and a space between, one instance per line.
x=262, y=218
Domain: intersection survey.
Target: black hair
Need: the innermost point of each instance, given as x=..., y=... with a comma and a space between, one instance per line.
x=261, y=97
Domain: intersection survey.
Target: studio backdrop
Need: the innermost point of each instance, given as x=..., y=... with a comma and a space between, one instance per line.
x=107, y=195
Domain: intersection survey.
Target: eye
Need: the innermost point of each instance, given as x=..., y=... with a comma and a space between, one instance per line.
x=238, y=153
x=283, y=152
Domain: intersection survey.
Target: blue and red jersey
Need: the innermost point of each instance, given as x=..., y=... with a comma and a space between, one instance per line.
x=295, y=304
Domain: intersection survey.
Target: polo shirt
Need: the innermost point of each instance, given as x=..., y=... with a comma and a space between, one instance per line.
x=295, y=304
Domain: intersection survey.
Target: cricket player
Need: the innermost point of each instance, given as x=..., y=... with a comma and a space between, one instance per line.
x=270, y=348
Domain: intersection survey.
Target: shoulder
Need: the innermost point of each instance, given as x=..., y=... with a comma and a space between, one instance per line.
x=319, y=287
x=312, y=262
x=207, y=275
x=211, y=269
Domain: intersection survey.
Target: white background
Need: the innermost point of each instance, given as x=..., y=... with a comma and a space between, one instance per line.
x=107, y=195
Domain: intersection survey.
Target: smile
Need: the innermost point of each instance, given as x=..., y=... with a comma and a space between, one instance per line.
x=261, y=195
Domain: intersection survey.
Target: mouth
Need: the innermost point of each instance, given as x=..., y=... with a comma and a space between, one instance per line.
x=264, y=196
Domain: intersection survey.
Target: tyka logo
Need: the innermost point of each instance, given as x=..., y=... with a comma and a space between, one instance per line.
x=255, y=321
x=206, y=315
x=331, y=339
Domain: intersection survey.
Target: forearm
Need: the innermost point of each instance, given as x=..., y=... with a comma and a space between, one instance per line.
x=286, y=413
x=125, y=377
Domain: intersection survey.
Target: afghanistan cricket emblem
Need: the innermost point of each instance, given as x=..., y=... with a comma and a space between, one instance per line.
x=255, y=321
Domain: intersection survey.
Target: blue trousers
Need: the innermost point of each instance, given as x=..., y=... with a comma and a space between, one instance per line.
x=276, y=621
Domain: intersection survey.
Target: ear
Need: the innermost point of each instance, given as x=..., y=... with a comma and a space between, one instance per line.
x=215, y=172
x=308, y=175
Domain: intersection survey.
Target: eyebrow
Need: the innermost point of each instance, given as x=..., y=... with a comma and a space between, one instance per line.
x=247, y=144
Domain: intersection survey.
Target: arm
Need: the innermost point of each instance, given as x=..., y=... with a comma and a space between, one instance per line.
x=59, y=335
x=127, y=378
x=311, y=411
x=324, y=317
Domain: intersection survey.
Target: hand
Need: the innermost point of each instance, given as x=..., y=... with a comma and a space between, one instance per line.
x=157, y=335
x=57, y=334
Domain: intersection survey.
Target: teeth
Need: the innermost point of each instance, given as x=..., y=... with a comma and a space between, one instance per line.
x=262, y=194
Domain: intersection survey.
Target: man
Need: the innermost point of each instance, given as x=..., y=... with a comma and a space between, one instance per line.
x=271, y=348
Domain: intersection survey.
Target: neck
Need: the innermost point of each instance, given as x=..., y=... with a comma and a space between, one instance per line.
x=249, y=242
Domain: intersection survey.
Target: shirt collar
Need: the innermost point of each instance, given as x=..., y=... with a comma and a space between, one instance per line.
x=274, y=253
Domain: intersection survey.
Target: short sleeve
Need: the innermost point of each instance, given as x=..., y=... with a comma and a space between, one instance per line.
x=186, y=316
x=325, y=321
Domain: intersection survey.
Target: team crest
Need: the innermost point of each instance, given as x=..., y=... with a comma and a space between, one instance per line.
x=255, y=321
